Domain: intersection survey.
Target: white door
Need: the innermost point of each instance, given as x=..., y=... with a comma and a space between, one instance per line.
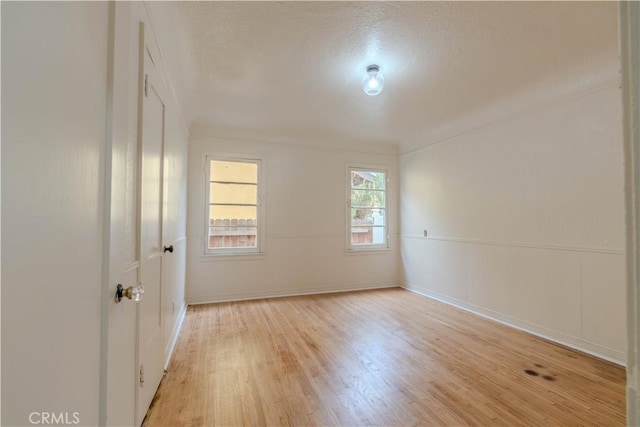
x=135, y=351
x=150, y=349
x=121, y=385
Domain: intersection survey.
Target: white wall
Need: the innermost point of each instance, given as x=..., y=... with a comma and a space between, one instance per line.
x=54, y=64
x=525, y=222
x=305, y=225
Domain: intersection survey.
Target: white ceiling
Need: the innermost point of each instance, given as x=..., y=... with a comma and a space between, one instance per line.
x=291, y=71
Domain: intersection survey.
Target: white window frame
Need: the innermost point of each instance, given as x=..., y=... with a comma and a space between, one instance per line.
x=259, y=249
x=369, y=247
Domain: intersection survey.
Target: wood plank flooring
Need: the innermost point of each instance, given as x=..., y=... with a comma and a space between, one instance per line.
x=385, y=357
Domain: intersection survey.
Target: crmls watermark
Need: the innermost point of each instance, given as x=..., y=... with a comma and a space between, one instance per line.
x=45, y=418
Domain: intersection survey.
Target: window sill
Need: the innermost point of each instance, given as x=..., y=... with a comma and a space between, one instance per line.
x=369, y=251
x=232, y=257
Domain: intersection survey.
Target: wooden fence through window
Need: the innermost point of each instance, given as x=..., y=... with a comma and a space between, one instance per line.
x=233, y=233
x=241, y=233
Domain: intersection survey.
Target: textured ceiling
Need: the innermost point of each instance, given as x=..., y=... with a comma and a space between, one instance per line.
x=291, y=71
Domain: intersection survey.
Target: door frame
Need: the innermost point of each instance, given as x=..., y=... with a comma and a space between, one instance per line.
x=629, y=38
x=107, y=265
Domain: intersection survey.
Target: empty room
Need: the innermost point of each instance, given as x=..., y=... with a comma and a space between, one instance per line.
x=320, y=213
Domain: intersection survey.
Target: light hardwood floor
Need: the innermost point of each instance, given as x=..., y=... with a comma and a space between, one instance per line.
x=384, y=357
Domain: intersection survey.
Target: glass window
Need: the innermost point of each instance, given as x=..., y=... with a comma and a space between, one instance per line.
x=233, y=219
x=367, y=208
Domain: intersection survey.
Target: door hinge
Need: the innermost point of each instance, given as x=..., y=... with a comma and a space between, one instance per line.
x=141, y=375
x=146, y=85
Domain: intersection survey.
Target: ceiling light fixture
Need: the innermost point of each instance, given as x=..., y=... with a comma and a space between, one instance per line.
x=373, y=82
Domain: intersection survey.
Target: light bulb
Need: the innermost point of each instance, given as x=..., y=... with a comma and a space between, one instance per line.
x=373, y=81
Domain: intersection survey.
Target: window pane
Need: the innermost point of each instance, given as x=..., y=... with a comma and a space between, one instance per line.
x=233, y=193
x=232, y=224
x=367, y=214
x=367, y=198
x=367, y=235
x=367, y=217
x=234, y=171
x=232, y=213
x=232, y=237
x=367, y=179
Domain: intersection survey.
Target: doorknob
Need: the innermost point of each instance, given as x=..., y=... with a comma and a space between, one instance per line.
x=132, y=292
x=168, y=249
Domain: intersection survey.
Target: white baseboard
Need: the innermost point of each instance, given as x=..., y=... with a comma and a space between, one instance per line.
x=576, y=343
x=168, y=352
x=285, y=293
